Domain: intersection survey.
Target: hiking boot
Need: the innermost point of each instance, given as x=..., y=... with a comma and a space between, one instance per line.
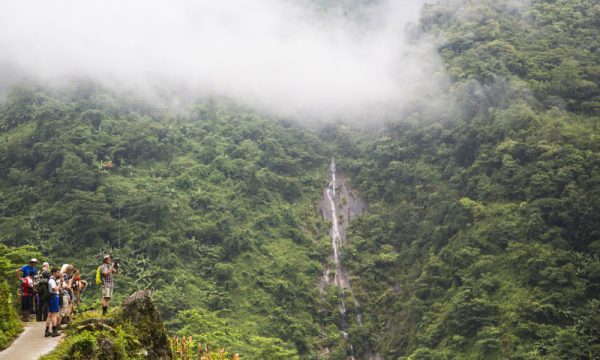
x=25, y=316
x=55, y=332
x=47, y=333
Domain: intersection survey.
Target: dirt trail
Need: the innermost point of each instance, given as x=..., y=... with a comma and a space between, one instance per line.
x=31, y=344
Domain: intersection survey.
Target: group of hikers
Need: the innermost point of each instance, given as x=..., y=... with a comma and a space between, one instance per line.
x=52, y=293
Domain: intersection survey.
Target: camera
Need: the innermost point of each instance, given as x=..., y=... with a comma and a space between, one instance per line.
x=116, y=263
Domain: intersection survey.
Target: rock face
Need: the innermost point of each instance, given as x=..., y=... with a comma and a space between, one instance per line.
x=139, y=309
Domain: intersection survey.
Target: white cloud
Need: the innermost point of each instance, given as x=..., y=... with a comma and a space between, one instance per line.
x=283, y=56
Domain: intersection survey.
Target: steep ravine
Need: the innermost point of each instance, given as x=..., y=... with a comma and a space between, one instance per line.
x=340, y=205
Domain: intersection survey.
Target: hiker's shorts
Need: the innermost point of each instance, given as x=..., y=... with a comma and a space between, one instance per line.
x=107, y=292
x=53, y=304
x=65, y=306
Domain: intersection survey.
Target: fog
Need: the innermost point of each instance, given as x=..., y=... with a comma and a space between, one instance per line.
x=291, y=58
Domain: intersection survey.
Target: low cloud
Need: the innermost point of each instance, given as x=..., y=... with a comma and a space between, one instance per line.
x=290, y=58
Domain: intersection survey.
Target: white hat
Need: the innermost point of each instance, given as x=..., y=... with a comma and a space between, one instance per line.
x=33, y=260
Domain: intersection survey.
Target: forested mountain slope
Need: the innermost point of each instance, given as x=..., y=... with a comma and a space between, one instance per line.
x=483, y=237
x=212, y=207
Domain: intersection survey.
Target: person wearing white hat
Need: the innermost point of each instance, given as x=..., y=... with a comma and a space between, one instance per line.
x=107, y=269
x=26, y=273
x=25, y=270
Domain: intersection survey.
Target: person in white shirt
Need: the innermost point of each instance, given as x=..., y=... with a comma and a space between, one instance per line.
x=54, y=304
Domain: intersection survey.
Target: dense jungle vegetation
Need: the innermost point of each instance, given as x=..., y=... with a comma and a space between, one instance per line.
x=482, y=239
x=213, y=208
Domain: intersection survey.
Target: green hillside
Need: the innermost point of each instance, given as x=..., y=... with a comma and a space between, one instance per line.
x=482, y=238
x=211, y=206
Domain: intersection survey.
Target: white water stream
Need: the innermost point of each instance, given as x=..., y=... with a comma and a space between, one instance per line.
x=341, y=279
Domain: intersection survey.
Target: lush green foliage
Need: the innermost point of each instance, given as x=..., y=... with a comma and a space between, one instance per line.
x=118, y=341
x=552, y=45
x=211, y=206
x=482, y=239
x=10, y=326
x=10, y=260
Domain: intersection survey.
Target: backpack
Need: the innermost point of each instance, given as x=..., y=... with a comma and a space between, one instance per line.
x=98, y=276
x=27, y=287
x=42, y=289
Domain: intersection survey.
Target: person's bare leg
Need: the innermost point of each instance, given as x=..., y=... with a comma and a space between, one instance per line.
x=78, y=296
x=105, y=301
x=48, y=323
x=53, y=317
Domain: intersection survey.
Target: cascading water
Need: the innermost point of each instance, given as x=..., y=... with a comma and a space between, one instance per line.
x=341, y=279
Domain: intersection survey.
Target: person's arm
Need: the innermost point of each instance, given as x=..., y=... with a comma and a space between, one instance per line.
x=20, y=273
x=110, y=270
x=55, y=288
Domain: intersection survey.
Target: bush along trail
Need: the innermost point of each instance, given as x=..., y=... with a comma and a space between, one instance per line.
x=132, y=331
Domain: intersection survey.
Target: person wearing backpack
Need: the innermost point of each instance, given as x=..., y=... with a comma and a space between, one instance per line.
x=66, y=295
x=53, y=303
x=43, y=295
x=27, y=296
x=107, y=270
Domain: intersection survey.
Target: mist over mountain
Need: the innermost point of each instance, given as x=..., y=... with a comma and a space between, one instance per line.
x=289, y=58
x=446, y=207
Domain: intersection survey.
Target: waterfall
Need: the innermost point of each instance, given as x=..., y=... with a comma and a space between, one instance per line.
x=341, y=279
x=339, y=201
